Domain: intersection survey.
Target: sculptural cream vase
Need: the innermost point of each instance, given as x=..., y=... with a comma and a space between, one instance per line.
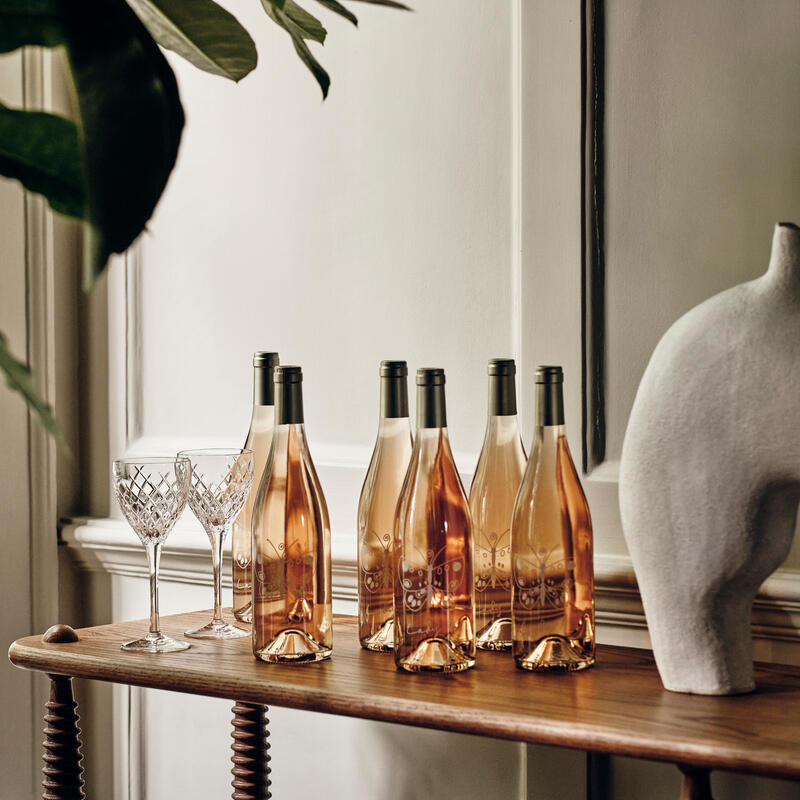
x=710, y=473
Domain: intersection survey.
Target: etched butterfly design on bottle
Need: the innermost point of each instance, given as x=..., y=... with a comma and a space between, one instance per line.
x=493, y=568
x=300, y=573
x=542, y=578
x=430, y=585
x=375, y=548
x=270, y=572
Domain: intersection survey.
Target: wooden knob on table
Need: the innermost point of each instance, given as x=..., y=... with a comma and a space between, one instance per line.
x=59, y=634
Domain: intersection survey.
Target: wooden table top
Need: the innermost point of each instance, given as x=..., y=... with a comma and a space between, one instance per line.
x=617, y=707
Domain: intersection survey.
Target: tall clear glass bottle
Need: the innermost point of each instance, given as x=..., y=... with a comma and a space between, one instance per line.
x=433, y=591
x=376, y=510
x=292, y=612
x=259, y=439
x=498, y=475
x=551, y=547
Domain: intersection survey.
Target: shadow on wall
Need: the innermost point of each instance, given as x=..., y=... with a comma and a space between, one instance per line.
x=315, y=755
x=633, y=778
x=419, y=764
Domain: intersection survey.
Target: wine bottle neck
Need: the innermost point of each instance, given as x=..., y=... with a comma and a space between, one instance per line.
x=501, y=429
x=289, y=404
x=502, y=396
x=548, y=435
x=263, y=387
x=431, y=411
x=394, y=396
x=263, y=416
x=394, y=427
x=428, y=441
x=549, y=404
x=284, y=432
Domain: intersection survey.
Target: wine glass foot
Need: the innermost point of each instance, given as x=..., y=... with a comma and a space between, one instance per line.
x=155, y=644
x=217, y=630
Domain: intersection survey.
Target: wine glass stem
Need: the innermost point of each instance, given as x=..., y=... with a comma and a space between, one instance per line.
x=217, y=540
x=153, y=557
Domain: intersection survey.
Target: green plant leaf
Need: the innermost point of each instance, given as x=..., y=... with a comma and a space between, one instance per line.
x=42, y=152
x=387, y=3
x=317, y=70
x=201, y=31
x=305, y=25
x=20, y=379
x=130, y=120
x=298, y=35
x=29, y=22
x=338, y=8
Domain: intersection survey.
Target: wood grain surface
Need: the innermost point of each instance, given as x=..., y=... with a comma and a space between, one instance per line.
x=617, y=707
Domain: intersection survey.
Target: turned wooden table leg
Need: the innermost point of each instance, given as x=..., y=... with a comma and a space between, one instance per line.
x=63, y=772
x=250, y=752
x=696, y=784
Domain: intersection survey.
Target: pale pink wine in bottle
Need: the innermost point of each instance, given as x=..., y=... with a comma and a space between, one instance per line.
x=259, y=440
x=551, y=547
x=433, y=594
x=376, y=510
x=491, y=500
x=292, y=611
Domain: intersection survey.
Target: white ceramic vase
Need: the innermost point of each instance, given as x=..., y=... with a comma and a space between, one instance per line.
x=710, y=473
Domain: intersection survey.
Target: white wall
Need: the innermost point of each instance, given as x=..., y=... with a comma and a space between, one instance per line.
x=375, y=225
x=702, y=160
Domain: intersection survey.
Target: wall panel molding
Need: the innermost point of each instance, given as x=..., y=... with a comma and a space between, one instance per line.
x=41, y=356
x=131, y=267
x=109, y=546
x=40, y=297
x=592, y=234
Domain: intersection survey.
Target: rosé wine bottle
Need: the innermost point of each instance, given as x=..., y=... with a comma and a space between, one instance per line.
x=292, y=611
x=551, y=547
x=498, y=475
x=433, y=589
x=259, y=439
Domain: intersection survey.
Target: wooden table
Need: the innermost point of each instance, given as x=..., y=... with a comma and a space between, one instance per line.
x=618, y=707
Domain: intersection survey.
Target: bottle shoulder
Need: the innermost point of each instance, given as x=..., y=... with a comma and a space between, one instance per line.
x=499, y=466
x=551, y=473
x=290, y=477
x=570, y=480
x=369, y=480
x=315, y=486
x=432, y=474
x=384, y=478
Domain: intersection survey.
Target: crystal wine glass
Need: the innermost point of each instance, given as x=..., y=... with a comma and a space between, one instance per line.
x=152, y=494
x=221, y=481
